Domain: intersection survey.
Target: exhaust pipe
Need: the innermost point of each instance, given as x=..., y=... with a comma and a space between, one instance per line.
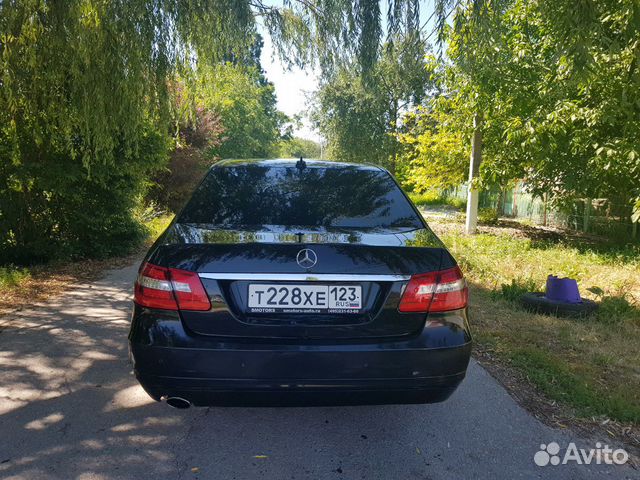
x=178, y=402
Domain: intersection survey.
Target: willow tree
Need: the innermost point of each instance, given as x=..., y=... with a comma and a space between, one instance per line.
x=85, y=90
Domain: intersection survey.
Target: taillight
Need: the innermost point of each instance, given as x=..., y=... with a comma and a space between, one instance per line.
x=435, y=292
x=153, y=288
x=170, y=289
x=188, y=290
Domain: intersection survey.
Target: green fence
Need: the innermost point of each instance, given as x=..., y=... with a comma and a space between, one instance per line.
x=599, y=216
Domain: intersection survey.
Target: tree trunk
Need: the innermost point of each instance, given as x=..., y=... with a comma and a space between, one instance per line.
x=471, y=224
x=394, y=131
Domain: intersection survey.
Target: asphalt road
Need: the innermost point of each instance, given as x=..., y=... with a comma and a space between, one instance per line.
x=70, y=409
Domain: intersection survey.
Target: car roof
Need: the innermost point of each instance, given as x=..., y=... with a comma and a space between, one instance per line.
x=291, y=163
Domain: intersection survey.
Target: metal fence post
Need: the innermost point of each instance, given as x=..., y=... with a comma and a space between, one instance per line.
x=585, y=215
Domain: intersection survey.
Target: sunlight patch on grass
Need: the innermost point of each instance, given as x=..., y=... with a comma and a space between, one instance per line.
x=11, y=277
x=497, y=260
x=436, y=199
x=158, y=224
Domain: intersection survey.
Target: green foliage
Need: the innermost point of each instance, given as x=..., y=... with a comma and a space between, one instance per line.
x=360, y=114
x=299, y=147
x=51, y=207
x=84, y=115
x=12, y=276
x=155, y=223
x=235, y=115
x=335, y=32
x=558, y=85
x=436, y=139
x=487, y=216
x=518, y=287
x=459, y=203
x=246, y=105
x=353, y=121
x=427, y=198
x=635, y=216
x=88, y=76
x=170, y=188
x=434, y=198
x=87, y=102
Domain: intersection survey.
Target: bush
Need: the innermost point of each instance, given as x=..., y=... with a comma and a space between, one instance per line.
x=172, y=187
x=56, y=208
x=456, y=202
x=155, y=221
x=12, y=276
x=189, y=161
x=487, y=216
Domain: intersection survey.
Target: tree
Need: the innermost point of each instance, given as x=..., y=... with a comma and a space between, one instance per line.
x=226, y=110
x=188, y=162
x=559, y=87
x=247, y=108
x=436, y=137
x=85, y=100
x=297, y=147
x=360, y=114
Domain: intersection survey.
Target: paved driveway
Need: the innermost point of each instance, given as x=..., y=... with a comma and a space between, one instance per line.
x=70, y=409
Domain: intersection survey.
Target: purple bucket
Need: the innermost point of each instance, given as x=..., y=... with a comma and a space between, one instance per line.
x=562, y=290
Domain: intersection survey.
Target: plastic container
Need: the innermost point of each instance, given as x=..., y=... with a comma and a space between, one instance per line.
x=562, y=290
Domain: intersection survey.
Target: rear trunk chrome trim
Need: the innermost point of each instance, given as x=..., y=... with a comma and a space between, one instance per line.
x=305, y=277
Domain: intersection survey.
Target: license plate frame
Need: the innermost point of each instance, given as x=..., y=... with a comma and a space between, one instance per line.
x=304, y=298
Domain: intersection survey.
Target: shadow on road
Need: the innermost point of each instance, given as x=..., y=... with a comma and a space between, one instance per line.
x=70, y=409
x=68, y=403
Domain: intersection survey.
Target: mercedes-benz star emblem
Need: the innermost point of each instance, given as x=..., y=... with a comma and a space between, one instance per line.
x=306, y=258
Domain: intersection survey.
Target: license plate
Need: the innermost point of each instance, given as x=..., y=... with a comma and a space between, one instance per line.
x=265, y=298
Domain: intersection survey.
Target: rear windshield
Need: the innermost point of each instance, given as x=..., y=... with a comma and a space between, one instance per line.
x=339, y=197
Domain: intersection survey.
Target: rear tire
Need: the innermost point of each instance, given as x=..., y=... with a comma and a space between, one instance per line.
x=537, y=302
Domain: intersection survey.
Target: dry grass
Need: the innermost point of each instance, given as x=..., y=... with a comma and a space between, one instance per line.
x=22, y=287
x=46, y=281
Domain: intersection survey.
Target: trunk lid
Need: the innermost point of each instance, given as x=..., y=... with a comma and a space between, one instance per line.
x=377, y=264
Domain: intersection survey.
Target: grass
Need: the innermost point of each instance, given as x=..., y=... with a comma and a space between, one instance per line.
x=12, y=276
x=437, y=199
x=157, y=224
x=591, y=365
x=21, y=286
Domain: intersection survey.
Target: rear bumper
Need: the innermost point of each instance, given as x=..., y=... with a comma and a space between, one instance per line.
x=279, y=377
x=168, y=361
x=229, y=393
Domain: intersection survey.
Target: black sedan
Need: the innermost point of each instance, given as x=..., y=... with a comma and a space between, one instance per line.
x=288, y=282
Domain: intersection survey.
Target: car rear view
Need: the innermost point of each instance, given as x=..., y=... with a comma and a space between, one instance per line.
x=299, y=283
